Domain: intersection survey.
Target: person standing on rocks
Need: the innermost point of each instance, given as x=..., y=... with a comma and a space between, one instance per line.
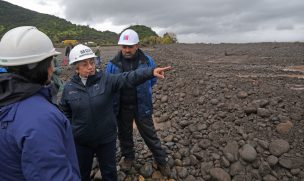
x=36, y=141
x=87, y=102
x=57, y=83
x=98, y=57
x=135, y=103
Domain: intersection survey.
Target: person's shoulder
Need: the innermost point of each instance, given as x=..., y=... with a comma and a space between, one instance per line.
x=38, y=109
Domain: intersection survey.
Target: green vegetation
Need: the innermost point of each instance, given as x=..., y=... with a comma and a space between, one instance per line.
x=149, y=37
x=56, y=28
x=59, y=29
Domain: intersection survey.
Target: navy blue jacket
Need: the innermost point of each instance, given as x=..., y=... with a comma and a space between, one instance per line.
x=144, y=90
x=36, y=141
x=90, y=106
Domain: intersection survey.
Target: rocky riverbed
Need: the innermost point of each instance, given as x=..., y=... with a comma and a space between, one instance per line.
x=225, y=112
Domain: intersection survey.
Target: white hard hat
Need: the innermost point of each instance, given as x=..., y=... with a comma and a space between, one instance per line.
x=25, y=45
x=80, y=52
x=128, y=37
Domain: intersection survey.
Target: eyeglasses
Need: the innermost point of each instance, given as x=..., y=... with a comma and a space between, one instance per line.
x=87, y=62
x=127, y=46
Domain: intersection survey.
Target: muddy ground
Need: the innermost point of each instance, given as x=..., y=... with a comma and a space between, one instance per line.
x=226, y=112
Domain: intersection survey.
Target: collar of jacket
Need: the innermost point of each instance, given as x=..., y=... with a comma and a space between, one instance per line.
x=15, y=88
x=143, y=59
x=92, y=79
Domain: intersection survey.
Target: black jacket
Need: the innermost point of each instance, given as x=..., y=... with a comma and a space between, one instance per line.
x=144, y=91
x=90, y=107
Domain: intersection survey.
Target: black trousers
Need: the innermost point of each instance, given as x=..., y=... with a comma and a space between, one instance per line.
x=106, y=155
x=147, y=131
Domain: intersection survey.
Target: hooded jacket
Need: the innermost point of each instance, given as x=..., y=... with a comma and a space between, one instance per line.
x=36, y=141
x=144, y=90
x=90, y=106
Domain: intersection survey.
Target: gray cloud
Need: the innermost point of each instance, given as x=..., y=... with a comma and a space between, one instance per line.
x=197, y=20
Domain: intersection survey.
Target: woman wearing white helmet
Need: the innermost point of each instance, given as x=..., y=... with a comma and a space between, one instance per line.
x=36, y=139
x=87, y=102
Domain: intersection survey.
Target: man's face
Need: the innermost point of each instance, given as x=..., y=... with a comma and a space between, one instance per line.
x=129, y=51
x=86, y=67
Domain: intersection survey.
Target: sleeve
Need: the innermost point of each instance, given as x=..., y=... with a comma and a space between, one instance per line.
x=64, y=105
x=57, y=67
x=47, y=153
x=153, y=65
x=130, y=79
x=109, y=68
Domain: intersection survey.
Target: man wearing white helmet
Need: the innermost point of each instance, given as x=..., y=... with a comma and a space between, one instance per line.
x=36, y=141
x=87, y=102
x=135, y=103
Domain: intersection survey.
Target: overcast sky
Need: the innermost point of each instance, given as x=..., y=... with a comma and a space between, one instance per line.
x=193, y=21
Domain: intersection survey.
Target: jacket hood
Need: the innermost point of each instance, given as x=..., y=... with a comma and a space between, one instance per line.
x=14, y=88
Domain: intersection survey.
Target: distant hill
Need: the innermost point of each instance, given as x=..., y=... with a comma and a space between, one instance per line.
x=58, y=29
x=143, y=31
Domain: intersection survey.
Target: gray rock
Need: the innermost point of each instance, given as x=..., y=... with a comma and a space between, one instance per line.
x=193, y=160
x=214, y=101
x=146, y=170
x=231, y=151
x=264, y=113
x=242, y=94
x=264, y=144
x=248, y=153
x=219, y=174
x=205, y=167
x=261, y=103
x=169, y=138
x=182, y=172
x=264, y=169
x=272, y=160
x=186, y=161
x=164, y=99
x=190, y=178
x=278, y=147
x=291, y=163
x=269, y=178
x=178, y=162
x=196, y=92
x=225, y=161
x=250, y=110
x=284, y=128
x=205, y=143
x=236, y=168
x=163, y=118
x=295, y=171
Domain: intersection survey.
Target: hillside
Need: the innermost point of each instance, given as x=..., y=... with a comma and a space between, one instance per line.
x=57, y=28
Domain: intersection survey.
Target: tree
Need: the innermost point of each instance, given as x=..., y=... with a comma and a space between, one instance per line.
x=169, y=38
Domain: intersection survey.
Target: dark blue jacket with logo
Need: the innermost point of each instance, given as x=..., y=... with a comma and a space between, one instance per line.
x=144, y=90
x=90, y=106
x=36, y=141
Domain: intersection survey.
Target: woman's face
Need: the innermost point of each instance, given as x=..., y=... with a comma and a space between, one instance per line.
x=86, y=67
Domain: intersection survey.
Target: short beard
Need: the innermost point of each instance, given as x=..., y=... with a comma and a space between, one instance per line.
x=128, y=56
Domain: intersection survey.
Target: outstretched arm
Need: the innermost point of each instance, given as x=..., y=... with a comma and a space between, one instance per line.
x=136, y=77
